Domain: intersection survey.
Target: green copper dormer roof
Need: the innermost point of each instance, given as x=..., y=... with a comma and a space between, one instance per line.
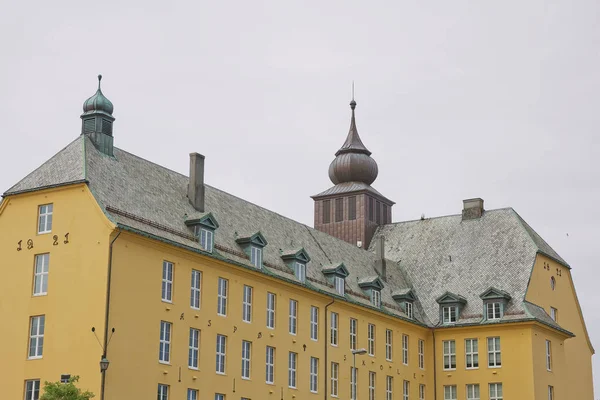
x=256, y=239
x=451, y=298
x=207, y=220
x=298, y=254
x=492, y=293
x=335, y=269
x=98, y=103
x=370, y=282
x=406, y=294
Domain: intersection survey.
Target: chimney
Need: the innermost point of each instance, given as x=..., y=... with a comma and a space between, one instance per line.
x=196, y=183
x=380, y=266
x=472, y=209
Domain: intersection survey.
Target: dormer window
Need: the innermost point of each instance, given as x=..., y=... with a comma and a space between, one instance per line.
x=408, y=308
x=336, y=275
x=450, y=314
x=450, y=307
x=405, y=297
x=494, y=303
x=373, y=286
x=204, y=229
x=340, y=285
x=376, y=298
x=493, y=310
x=300, y=271
x=256, y=256
x=253, y=246
x=206, y=239
x=296, y=260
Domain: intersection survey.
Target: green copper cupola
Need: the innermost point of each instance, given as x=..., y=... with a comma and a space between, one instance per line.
x=97, y=121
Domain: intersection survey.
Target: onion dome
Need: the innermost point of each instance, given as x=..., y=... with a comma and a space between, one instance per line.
x=353, y=162
x=98, y=103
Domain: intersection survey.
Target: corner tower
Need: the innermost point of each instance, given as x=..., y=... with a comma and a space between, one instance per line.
x=97, y=121
x=352, y=209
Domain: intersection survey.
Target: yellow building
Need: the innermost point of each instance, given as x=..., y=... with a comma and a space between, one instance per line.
x=190, y=290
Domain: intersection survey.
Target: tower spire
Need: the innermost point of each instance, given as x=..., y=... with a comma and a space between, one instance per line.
x=97, y=120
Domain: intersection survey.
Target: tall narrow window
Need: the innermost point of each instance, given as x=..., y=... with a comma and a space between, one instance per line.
x=554, y=314
x=335, y=371
x=339, y=285
x=389, y=388
x=195, y=289
x=450, y=314
x=372, y=379
x=32, y=389
x=496, y=391
x=334, y=328
x=167, y=281
x=421, y=354
x=449, y=354
x=405, y=390
x=353, y=383
x=473, y=392
x=45, y=218
x=326, y=211
x=371, y=339
x=192, y=394
x=163, y=392
x=314, y=323
x=550, y=392
x=222, y=296
x=270, y=365
x=548, y=355
x=421, y=392
x=292, y=360
x=493, y=310
x=164, y=349
x=206, y=240
x=246, y=357
x=376, y=298
x=221, y=352
x=40, y=277
x=300, y=271
x=494, y=358
x=353, y=333
x=352, y=208
x=194, y=348
x=384, y=217
x=378, y=212
x=388, y=344
x=472, y=353
x=293, y=323
x=271, y=301
x=256, y=256
x=339, y=209
x=405, y=349
x=36, y=336
x=450, y=392
x=314, y=374
x=371, y=209
x=408, y=307
x=247, y=304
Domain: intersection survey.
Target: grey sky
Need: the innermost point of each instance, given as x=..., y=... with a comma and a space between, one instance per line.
x=456, y=99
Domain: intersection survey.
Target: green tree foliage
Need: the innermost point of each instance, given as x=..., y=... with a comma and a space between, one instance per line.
x=65, y=391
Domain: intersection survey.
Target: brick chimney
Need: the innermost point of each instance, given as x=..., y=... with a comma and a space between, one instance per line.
x=196, y=183
x=472, y=209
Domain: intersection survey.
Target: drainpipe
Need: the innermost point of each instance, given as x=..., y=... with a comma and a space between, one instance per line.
x=108, y=281
x=326, y=348
x=434, y=368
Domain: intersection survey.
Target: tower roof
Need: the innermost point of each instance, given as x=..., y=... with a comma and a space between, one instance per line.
x=98, y=103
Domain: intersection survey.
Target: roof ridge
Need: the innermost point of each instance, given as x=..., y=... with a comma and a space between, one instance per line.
x=443, y=216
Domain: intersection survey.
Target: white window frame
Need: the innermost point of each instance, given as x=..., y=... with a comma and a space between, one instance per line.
x=408, y=306
x=163, y=391
x=496, y=392
x=405, y=340
x=219, y=396
x=222, y=291
x=493, y=310
x=246, y=359
x=494, y=352
x=206, y=239
x=389, y=388
x=405, y=389
x=550, y=392
x=554, y=314
x=340, y=285
x=353, y=333
x=271, y=304
x=194, y=348
x=450, y=392
x=293, y=317
x=164, y=348
x=32, y=389
x=192, y=394
x=421, y=392
x=473, y=391
x=270, y=365
x=335, y=372
x=292, y=369
x=167, y=281
x=449, y=351
x=300, y=271
x=389, y=339
x=548, y=355
x=472, y=353
x=314, y=323
x=247, y=304
x=376, y=298
x=314, y=375
x=371, y=339
x=449, y=314
x=353, y=383
x=335, y=320
x=40, y=274
x=45, y=212
x=221, y=354
x=37, y=328
x=196, y=289
x=421, y=354
x=372, y=384
x=256, y=256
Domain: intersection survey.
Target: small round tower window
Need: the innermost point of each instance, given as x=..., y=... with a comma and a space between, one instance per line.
x=552, y=283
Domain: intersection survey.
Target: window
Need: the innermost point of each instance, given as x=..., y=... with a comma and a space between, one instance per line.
x=493, y=310
x=300, y=271
x=405, y=390
x=195, y=289
x=293, y=357
x=219, y=396
x=371, y=385
x=339, y=209
x=326, y=211
x=246, y=356
x=247, y=304
x=222, y=297
x=389, y=388
x=221, y=352
x=334, y=328
x=384, y=216
x=335, y=371
x=405, y=349
x=352, y=208
x=496, y=391
x=45, y=218
x=206, y=240
x=293, y=324
x=421, y=354
x=163, y=392
x=167, y=281
x=40, y=274
x=378, y=212
x=554, y=314
x=353, y=333
x=550, y=392
x=32, y=389
x=192, y=394
x=36, y=337
x=353, y=385
x=65, y=378
x=449, y=314
x=314, y=323
x=472, y=353
x=339, y=285
x=194, y=348
x=270, y=365
x=494, y=358
x=164, y=349
x=371, y=209
x=271, y=301
x=371, y=339
x=421, y=392
x=388, y=344
x=449, y=354
x=256, y=256
x=376, y=298
x=548, y=355
x=408, y=307
x=314, y=374
x=473, y=392
x=552, y=283
x=450, y=392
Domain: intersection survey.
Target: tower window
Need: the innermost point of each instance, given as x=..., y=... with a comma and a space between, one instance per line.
x=326, y=211
x=352, y=208
x=385, y=214
x=378, y=212
x=371, y=209
x=339, y=209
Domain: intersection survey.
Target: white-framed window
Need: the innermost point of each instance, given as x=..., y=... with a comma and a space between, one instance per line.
x=163, y=392
x=36, y=336
x=167, y=281
x=408, y=307
x=473, y=392
x=449, y=314
x=371, y=339
x=450, y=392
x=353, y=382
x=405, y=390
x=219, y=396
x=496, y=391
x=405, y=349
x=196, y=287
x=335, y=372
x=449, y=354
x=194, y=348
x=270, y=365
x=314, y=375
x=271, y=302
x=376, y=298
x=421, y=392
x=552, y=283
x=372, y=379
x=472, y=353
x=314, y=323
x=493, y=310
x=300, y=271
x=256, y=256
x=40, y=274
x=340, y=285
x=45, y=218
x=222, y=296
x=32, y=389
x=548, y=355
x=389, y=388
x=494, y=356
x=293, y=321
x=192, y=394
x=554, y=314
x=389, y=338
x=246, y=357
x=335, y=318
x=550, y=392
x=164, y=348
x=221, y=353
x=206, y=239
x=353, y=333
x=247, y=304
x=292, y=361
x=421, y=354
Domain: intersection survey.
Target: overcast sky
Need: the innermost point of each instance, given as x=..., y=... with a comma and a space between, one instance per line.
x=456, y=99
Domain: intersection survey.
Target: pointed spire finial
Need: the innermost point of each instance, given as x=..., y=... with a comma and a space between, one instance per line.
x=353, y=103
x=99, y=80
